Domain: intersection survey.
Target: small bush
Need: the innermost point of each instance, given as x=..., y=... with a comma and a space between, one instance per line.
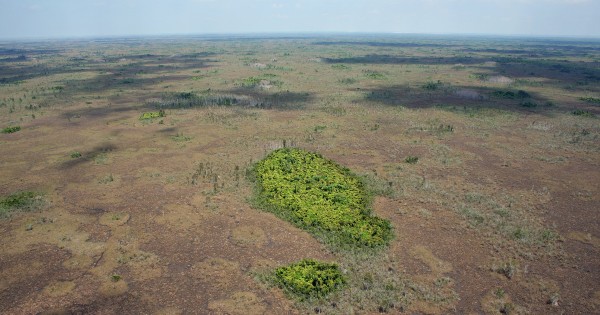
x=75, y=155
x=20, y=202
x=309, y=279
x=411, y=159
x=152, y=115
x=510, y=94
x=583, y=113
x=594, y=100
x=374, y=75
x=11, y=129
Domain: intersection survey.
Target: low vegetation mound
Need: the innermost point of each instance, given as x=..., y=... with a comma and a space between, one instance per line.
x=321, y=197
x=11, y=129
x=20, y=202
x=309, y=279
x=152, y=115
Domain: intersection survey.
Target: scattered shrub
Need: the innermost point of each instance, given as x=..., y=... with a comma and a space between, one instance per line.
x=411, y=159
x=152, y=115
x=348, y=81
x=520, y=94
x=75, y=155
x=594, y=100
x=309, y=279
x=583, y=113
x=374, y=75
x=11, y=129
x=20, y=202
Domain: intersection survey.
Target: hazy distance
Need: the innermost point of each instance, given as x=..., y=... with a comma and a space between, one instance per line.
x=91, y=18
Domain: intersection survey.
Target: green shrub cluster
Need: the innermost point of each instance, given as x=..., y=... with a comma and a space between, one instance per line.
x=152, y=115
x=583, y=113
x=595, y=100
x=520, y=94
x=21, y=201
x=11, y=129
x=255, y=81
x=309, y=279
x=190, y=100
x=321, y=197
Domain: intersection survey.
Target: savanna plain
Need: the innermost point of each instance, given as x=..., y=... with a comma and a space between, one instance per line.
x=140, y=175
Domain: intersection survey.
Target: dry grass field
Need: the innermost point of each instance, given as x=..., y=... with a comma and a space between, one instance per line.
x=483, y=153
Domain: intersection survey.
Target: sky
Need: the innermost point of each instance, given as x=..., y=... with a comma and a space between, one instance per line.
x=97, y=18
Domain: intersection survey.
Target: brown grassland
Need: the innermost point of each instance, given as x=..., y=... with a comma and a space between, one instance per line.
x=495, y=213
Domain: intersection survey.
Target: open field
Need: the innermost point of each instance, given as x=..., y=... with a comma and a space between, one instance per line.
x=126, y=166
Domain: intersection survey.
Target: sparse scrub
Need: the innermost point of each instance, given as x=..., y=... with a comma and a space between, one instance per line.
x=375, y=75
x=507, y=269
x=583, y=113
x=24, y=201
x=520, y=94
x=11, y=129
x=179, y=137
x=190, y=100
x=411, y=159
x=75, y=155
x=593, y=100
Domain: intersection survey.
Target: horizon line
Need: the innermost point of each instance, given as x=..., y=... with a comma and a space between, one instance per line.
x=298, y=34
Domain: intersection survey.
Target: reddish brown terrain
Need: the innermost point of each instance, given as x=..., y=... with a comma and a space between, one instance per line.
x=499, y=215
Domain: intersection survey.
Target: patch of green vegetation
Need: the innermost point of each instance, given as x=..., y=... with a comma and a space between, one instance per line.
x=106, y=179
x=319, y=128
x=20, y=202
x=375, y=75
x=594, y=100
x=179, y=137
x=520, y=94
x=411, y=159
x=115, y=278
x=190, y=99
x=309, y=279
x=11, y=129
x=583, y=113
x=507, y=269
x=75, y=154
x=152, y=115
x=264, y=79
x=321, y=197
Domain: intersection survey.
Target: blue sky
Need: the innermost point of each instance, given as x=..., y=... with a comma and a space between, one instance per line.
x=76, y=18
